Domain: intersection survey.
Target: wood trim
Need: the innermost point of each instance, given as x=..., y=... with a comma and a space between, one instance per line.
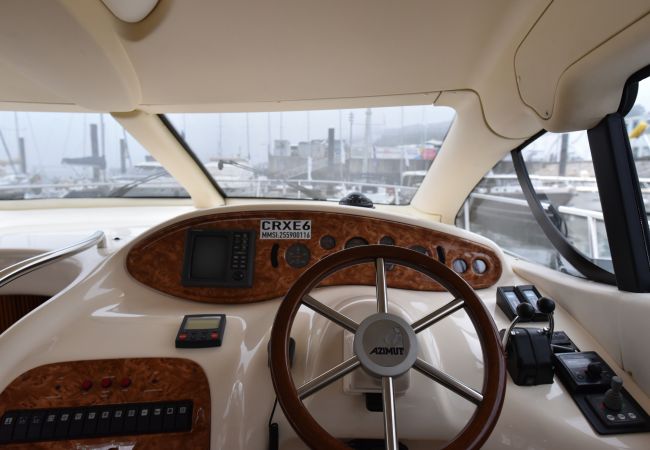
x=478, y=429
x=58, y=385
x=157, y=260
x=14, y=307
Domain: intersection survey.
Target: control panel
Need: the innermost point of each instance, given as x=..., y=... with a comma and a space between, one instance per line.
x=156, y=402
x=599, y=394
x=583, y=371
x=95, y=421
x=509, y=297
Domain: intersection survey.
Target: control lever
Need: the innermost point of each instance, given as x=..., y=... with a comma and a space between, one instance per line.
x=594, y=371
x=546, y=306
x=528, y=353
x=613, y=399
x=525, y=311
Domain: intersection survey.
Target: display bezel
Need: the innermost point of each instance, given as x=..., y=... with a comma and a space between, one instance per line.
x=229, y=280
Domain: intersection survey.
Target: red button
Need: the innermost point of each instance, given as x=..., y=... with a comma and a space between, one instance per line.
x=86, y=385
x=182, y=336
x=126, y=382
x=214, y=335
x=106, y=382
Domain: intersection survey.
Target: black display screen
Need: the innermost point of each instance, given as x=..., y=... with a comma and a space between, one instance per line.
x=219, y=258
x=209, y=257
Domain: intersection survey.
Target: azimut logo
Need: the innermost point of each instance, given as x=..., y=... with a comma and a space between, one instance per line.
x=395, y=344
x=387, y=351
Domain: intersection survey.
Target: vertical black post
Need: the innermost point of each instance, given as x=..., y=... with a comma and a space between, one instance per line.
x=23, y=157
x=564, y=154
x=330, y=159
x=623, y=210
x=94, y=148
x=123, y=155
x=330, y=148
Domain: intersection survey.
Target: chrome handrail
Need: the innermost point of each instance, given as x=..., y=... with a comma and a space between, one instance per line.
x=15, y=271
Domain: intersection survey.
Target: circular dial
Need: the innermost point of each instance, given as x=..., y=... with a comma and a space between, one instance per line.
x=479, y=266
x=459, y=265
x=387, y=240
x=419, y=249
x=355, y=242
x=297, y=255
x=328, y=242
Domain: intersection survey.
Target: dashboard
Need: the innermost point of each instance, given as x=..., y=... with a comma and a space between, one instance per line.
x=105, y=345
x=281, y=245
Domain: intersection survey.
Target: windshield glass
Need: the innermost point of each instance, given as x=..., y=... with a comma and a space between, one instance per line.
x=75, y=155
x=323, y=155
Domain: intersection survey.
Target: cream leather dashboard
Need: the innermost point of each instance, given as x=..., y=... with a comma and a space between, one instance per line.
x=109, y=315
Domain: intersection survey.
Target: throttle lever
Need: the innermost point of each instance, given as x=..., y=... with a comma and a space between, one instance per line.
x=525, y=311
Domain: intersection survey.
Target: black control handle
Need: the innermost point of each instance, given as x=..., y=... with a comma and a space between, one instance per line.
x=546, y=305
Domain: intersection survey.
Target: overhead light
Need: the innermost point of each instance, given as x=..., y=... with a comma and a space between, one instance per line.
x=130, y=10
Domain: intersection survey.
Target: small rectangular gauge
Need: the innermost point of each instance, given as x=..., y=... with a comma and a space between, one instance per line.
x=201, y=331
x=529, y=293
x=509, y=297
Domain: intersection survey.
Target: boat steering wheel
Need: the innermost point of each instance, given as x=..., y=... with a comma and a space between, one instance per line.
x=388, y=362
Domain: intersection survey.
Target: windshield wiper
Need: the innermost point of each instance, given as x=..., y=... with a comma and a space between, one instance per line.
x=311, y=193
x=121, y=191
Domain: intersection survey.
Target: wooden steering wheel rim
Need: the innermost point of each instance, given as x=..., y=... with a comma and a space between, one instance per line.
x=479, y=427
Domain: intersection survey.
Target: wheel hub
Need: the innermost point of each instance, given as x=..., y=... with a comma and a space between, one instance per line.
x=386, y=345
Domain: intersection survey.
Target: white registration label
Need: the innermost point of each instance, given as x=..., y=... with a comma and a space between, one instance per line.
x=285, y=229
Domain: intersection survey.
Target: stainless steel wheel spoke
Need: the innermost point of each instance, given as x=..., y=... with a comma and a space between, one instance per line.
x=328, y=377
x=329, y=313
x=382, y=295
x=448, y=381
x=438, y=315
x=390, y=427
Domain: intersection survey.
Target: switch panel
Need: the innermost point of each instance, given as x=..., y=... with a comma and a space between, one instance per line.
x=95, y=421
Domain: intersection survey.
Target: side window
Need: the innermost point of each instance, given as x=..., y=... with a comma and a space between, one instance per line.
x=637, y=122
x=562, y=174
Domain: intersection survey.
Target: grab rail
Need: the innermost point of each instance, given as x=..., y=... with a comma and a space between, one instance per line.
x=15, y=271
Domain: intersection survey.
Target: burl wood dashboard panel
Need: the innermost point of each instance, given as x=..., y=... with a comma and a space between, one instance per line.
x=157, y=260
x=60, y=385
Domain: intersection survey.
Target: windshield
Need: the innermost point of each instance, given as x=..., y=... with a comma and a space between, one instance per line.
x=76, y=155
x=323, y=155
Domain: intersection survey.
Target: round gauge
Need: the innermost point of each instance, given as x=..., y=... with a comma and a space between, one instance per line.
x=328, y=242
x=297, y=255
x=387, y=240
x=419, y=249
x=459, y=265
x=355, y=242
x=479, y=266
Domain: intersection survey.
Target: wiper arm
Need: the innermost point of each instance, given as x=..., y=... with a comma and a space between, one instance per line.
x=311, y=193
x=121, y=191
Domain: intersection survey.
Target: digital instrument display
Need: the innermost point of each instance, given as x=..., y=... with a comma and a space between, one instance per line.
x=512, y=299
x=202, y=323
x=219, y=258
x=577, y=362
x=201, y=331
x=530, y=296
